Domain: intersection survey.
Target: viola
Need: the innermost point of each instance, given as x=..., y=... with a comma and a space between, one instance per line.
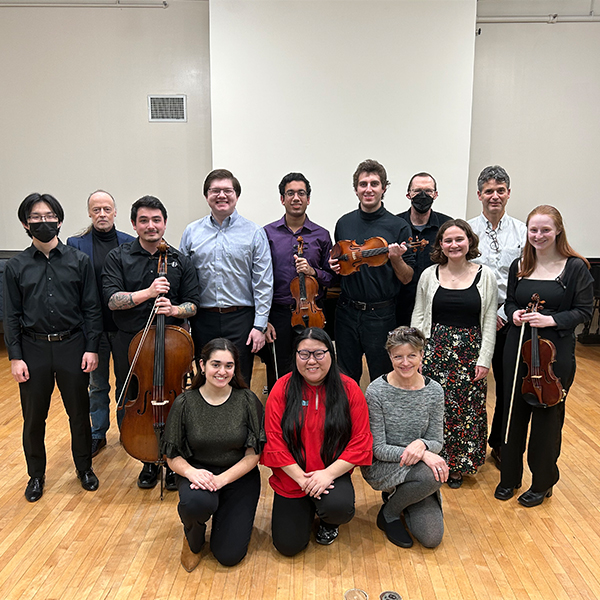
x=305, y=289
x=540, y=386
x=373, y=253
x=161, y=357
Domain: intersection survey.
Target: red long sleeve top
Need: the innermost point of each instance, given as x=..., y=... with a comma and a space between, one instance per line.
x=276, y=454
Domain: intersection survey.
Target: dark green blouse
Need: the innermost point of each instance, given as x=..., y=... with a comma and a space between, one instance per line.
x=214, y=436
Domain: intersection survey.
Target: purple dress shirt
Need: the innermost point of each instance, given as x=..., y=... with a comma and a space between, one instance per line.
x=283, y=243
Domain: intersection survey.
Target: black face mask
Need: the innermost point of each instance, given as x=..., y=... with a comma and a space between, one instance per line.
x=44, y=231
x=421, y=202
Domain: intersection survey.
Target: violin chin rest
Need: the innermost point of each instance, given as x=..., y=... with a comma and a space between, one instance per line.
x=533, y=400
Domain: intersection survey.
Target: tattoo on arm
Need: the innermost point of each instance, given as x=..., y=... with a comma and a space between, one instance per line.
x=185, y=310
x=121, y=301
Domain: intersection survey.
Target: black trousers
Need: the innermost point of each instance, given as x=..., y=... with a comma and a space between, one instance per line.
x=292, y=518
x=235, y=326
x=281, y=318
x=545, y=438
x=60, y=362
x=498, y=430
x=359, y=332
x=232, y=509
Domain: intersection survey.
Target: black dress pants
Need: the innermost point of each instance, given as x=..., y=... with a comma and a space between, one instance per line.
x=60, y=362
x=292, y=518
x=232, y=509
x=498, y=431
x=359, y=332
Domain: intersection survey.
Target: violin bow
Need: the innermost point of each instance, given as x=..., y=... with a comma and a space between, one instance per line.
x=512, y=395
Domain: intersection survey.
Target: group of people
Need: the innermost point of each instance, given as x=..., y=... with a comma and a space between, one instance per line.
x=431, y=322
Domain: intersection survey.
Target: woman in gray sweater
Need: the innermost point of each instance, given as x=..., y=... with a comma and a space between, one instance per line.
x=406, y=411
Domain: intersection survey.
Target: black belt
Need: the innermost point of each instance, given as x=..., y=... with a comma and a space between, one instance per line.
x=223, y=309
x=52, y=337
x=364, y=306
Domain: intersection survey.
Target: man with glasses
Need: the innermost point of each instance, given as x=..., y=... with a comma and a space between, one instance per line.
x=97, y=241
x=294, y=193
x=366, y=310
x=424, y=224
x=233, y=263
x=501, y=240
x=52, y=326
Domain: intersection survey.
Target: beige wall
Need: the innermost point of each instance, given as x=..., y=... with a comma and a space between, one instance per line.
x=74, y=110
x=536, y=111
x=319, y=85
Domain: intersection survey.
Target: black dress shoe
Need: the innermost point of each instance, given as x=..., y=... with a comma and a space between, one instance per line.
x=531, y=498
x=170, y=480
x=505, y=493
x=88, y=479
x=97, y=445
x=34, y=489
x=148, y=477
x=455, y=482
x=395, y=531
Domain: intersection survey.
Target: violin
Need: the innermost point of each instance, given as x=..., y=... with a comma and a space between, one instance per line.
x=373, y=253
x=161, y=357
x=305, y=289
x=540, y=387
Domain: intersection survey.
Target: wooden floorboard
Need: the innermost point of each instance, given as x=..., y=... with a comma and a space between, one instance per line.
x=122, y=543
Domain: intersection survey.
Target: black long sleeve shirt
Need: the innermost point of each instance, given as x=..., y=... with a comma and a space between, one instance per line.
x=50, y=295
x=130, y=268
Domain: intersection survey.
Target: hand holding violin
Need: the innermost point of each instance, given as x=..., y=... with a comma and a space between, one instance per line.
x=302, y=266
x=535, y=319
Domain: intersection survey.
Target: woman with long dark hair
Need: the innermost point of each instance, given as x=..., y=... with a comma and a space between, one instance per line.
x=317, y=425
x=213, y=438
x=406, y=411
x=456, y=309
x=561, y=277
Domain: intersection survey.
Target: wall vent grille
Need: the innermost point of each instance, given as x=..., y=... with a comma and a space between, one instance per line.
x=167, y=109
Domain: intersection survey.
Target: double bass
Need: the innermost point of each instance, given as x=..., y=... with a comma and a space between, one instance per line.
x=161, y=357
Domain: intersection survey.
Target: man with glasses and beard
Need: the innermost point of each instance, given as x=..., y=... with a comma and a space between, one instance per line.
x=424, y=224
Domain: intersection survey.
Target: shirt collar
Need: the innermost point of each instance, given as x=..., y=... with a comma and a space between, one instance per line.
x=227, y=221
x=60, y=248
x=308, y=224
x=503, y=221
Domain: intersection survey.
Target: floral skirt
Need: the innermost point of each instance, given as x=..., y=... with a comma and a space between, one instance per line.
x=450, y=358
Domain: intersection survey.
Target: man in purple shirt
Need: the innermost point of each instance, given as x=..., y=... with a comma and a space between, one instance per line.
x=294, y=191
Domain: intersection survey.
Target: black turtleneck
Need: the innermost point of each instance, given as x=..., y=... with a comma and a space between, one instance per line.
x=103, y=242
x=373, y=284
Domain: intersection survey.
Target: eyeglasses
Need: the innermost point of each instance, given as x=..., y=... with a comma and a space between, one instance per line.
x=37, y=218
x=429, y=192
x=316, y=354
x=493, y=240
x=291, y=194
x=218, y=191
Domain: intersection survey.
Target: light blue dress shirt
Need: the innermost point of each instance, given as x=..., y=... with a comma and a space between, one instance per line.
x=233, y=262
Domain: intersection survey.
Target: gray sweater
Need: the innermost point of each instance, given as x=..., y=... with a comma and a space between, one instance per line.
x=398, y=417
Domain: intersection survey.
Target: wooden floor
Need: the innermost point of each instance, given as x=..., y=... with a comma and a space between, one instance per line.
x=124, y=543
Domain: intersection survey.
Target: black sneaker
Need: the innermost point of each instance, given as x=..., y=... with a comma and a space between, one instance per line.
x=326, y=534
x=97, y=445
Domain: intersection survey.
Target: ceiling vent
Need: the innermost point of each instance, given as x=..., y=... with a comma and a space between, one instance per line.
x=167, y=109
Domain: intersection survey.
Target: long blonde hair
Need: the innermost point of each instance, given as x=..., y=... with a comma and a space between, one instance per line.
x=562, y=245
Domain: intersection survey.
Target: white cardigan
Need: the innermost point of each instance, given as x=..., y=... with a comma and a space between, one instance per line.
x=488, y=292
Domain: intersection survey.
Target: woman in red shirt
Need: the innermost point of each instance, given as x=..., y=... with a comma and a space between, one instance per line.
x=317, y=425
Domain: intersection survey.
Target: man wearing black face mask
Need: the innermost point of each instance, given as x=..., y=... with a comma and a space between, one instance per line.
x=424, y=224
x=52, y=324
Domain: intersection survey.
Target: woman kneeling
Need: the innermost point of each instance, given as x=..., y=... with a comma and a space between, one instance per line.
x=213, y=438
x=317, y=425
x=407, y=423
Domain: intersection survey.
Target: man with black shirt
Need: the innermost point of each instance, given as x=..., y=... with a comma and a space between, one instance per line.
x=97, y=241
x=366, y=310
x=131, y=288
x=424, y=224
x=52, y=324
